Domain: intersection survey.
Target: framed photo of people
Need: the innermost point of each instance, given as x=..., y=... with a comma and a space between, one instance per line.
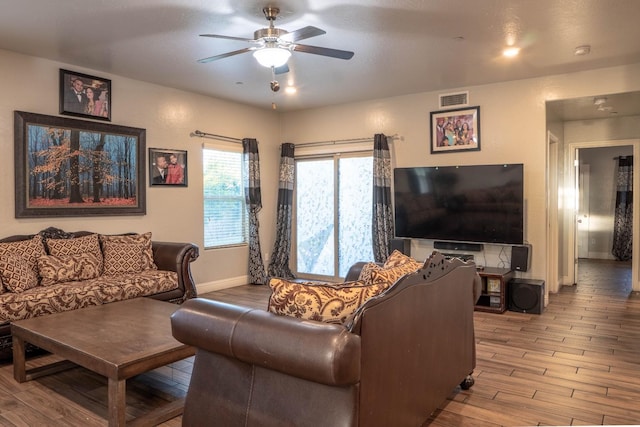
x=69, y=167
x=167, y=167
x=455, y=130
x=83, y=95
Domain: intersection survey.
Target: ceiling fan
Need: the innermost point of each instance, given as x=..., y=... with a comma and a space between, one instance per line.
x=272, y=46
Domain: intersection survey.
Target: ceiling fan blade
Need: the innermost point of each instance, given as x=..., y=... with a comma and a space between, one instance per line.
x=224, y=55
x=324, y=51
x=282, y=69
x=303, y=33
x=218, y=36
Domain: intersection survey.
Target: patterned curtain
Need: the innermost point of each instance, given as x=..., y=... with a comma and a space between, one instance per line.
x=622, y=227
x=251, y=163
x=279, y=265
x=382, y=214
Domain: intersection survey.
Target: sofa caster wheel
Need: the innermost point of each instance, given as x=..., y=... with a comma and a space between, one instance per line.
x=467, y=383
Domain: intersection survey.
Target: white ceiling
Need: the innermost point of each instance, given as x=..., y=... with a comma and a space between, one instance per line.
x=401, y=47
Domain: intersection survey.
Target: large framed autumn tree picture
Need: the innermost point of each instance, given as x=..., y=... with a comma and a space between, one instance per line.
x=69, y=167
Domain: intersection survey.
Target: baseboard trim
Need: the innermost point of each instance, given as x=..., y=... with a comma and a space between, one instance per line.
x=203, y=288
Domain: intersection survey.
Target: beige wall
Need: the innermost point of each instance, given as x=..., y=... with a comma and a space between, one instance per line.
x=169, y=116
x=513, y=130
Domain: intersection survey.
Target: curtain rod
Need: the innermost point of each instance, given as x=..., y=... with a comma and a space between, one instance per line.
x=214, y=136
x=346, y=141
x=303, y=144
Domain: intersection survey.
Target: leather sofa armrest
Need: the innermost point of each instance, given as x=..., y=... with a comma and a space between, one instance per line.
x=173, y=256
x=315, y=351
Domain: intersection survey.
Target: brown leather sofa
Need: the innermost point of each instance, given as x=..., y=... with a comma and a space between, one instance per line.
x=394, y=362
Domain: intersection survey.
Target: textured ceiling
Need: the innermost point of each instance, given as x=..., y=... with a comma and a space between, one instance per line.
x=400, y=47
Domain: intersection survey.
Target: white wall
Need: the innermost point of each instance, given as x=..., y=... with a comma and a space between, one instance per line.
x=513, y=130
x=169, y=116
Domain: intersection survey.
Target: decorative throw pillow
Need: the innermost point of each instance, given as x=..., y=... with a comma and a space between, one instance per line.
x=367, y=269
x=78, y=245
x=143, y=241
x=66, y=268
x=329, y=303
x=388, y=276
x=374, y=274
x=123, y=258
x=30, y=250
x=16, y=273
x=397, y=258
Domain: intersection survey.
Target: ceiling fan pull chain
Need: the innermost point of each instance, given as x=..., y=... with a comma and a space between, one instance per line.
x=274, y=85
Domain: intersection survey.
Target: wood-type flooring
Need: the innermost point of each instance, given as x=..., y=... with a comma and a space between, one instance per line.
x=578, y=363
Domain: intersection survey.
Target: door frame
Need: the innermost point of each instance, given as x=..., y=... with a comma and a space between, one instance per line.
x=553, y=277
x=571, y=166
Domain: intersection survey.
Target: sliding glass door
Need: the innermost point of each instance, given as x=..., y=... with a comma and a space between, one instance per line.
x=332, y=214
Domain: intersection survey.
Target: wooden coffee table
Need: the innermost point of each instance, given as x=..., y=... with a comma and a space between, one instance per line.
x=117, y=340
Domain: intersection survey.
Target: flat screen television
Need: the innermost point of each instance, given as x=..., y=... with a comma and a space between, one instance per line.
x=480, y=203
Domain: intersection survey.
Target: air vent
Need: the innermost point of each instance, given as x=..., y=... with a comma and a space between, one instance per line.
x=454, y=99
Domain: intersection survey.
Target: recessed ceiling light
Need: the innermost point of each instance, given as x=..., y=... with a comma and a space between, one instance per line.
x=510, y=52
x=290, y=90
x=582, y=50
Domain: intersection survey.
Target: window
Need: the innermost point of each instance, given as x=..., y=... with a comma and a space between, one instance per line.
x=225, y=215
x=333, y=214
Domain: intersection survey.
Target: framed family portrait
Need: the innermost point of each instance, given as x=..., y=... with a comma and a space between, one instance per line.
x=70, y=167
x=455, y=130
x=167, y=167
x=83, y=95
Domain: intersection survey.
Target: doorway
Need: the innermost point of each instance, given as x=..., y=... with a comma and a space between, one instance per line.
x=579, y=123
x=597, y=191
x=593, y=175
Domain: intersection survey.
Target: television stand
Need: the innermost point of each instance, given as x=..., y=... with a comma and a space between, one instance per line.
x=493, y=297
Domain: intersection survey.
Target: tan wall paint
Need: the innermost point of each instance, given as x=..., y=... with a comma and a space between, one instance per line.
x=513, y=130
x=169, y=116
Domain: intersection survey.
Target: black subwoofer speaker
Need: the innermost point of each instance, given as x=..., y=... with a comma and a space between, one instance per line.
x=526, y=295
x=403, y=245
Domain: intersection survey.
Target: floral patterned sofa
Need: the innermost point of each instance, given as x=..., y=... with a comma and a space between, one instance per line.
x=55, y=271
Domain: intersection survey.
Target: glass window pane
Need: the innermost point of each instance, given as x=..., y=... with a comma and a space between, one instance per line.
x=315, y=217
x=225, y=218
x=355, y=181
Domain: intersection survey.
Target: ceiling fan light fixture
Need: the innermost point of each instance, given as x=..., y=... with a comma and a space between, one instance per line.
x=272, y=56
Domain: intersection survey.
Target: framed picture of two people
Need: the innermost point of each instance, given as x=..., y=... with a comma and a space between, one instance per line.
x=83, y=95
x=167, y=167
